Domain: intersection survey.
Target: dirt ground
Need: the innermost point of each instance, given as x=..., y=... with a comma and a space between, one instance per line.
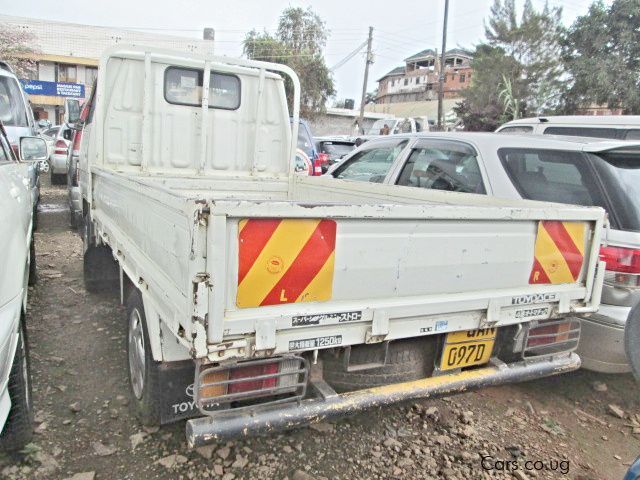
x=561, y=427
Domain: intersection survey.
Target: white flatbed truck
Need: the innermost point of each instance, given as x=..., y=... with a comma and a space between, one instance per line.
x=255, y=295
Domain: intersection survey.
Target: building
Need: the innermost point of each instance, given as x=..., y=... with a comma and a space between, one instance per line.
x=417, y=80
x=67, y=57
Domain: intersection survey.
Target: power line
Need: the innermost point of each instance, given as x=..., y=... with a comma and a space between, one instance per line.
x=349, y=56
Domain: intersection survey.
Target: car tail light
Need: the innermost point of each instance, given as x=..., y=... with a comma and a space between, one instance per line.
x=270, y=380
x=76, y=142
x=547, y=337
x=60, y=148
x=321, y=163
x=16, y=150
x=623, y=266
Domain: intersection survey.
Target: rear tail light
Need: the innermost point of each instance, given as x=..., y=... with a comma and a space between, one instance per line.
x=267, y=381
x=547, y=337
x=623, y=266
x=16, y=150
x=321, y=164
x=60, y=148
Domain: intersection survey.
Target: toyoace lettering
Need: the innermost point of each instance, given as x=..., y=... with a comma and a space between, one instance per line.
x=536, y=298
x=247, y=272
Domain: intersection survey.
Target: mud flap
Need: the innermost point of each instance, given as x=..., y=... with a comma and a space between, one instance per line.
x=177, y=402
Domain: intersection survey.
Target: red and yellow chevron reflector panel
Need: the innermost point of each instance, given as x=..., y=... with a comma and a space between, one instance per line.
x=559, y=252
x=285, y=261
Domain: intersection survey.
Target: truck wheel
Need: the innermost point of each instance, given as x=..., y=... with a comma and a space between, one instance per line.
x=100, y=269
x=632, y=340
x=144, y=371
x=18, y=429
x=406, y=360
x=33, y=272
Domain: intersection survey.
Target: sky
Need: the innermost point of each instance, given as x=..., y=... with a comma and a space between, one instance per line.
x=400, y=29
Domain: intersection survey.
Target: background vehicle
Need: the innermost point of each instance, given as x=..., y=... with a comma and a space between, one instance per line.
x=400, y=125
x=58, y=160
x=614, y=127
x=250, y=297
x=571, y=170
x=335, y=147
x=18, y=121
x=307, y=145
x=18, y=270
x=49, y=135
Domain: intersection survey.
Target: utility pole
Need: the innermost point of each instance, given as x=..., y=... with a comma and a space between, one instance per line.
x=442, y=70
x=366, y=79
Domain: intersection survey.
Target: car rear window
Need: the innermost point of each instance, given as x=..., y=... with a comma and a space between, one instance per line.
x=596, y=132
x=552, y=175
x=336, y=150
x=517, y=129
x=12, y=110
x=620, y=175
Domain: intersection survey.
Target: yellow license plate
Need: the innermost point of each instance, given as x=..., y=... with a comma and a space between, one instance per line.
x=467, y=348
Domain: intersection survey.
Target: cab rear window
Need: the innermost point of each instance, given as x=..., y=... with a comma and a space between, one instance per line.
x=183, y=86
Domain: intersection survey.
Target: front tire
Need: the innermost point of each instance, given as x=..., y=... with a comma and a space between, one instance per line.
x=18, y=429
x=144, y=371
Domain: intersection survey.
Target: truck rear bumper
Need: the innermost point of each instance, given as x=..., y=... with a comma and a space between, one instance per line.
x=329, y=404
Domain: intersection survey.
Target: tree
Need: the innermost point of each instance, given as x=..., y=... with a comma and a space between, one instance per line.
x=17, y=49
x=601, y=51
x=298, y=42
x=482, y=108
x=519, y=61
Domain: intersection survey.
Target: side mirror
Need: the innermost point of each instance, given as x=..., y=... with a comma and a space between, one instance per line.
x=33, y=149
x=71, y=111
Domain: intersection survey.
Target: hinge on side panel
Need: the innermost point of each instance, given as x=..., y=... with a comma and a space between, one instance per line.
x=202, y=214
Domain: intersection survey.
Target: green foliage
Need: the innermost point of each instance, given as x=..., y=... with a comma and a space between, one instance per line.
x=298, y=43
x=601, y=51
x=517, y=72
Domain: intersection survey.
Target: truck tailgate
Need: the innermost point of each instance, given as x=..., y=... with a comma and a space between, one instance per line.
x=300, y=277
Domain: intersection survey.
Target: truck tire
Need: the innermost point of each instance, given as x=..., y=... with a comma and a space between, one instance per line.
x=632, y=340
x=18, y=428
x=33, y=272
x=99, y=268
x=144, y=371
x=406, y=360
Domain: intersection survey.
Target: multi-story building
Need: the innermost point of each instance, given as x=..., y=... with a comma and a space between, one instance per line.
x=67, y=57
x=418, y=79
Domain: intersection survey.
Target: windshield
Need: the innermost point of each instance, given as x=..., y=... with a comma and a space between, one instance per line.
x=620, y=173
x=12, y=111
x=378, y=125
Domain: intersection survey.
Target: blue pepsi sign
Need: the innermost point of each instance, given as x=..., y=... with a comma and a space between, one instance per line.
x=56, y=89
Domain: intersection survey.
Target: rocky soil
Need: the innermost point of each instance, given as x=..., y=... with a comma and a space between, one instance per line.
x=579, y=426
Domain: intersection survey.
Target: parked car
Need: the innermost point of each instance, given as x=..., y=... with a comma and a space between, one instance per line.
x=335, y=147
x=307, y=146
x=614, y=127
x=17, y=257
x=58, y=160
x=49, y=135
x=571, y=170
x=238, y=275
x=17, y=117
x=399, y=125
x=73, y=173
